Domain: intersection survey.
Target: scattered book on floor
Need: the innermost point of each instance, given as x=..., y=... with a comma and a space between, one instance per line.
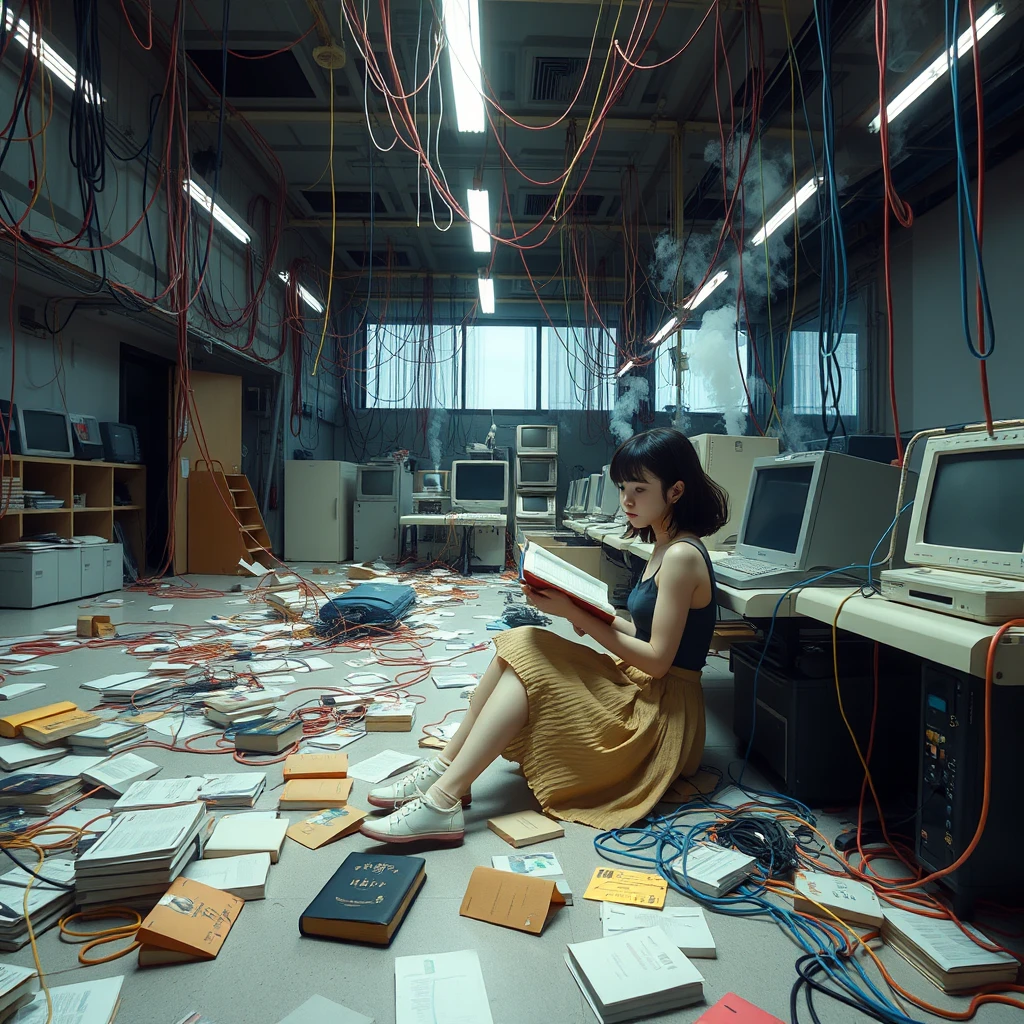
x=453, y=982
x=88, y=1002
x=336, y=739
x=510, y=900
x=455, y=680
x=390, y=716
x=109, y=736
x=17, y=755
x=542, y=864
x=541, y=569
x=685, y=926
x=244, y=876
x=70, y=766
x=366, y=899
x=190, y=922
x=314, y=794
x=38, y=794
x=17, y=987
x=326, y=826
x=316, y=766
x=634, y=974
x=271, y=737
x=14, y=690
x=849, y=900
x=947, y=957
x=46, y=905
x=318, y=1010
x=731, y=1009
x=55, y=728
x=711, y=869
x=237, y=834
x=382, y=766
x=120, y=773
x=525, y=828
x=243, y=702
x=12, y=725
x=636, y=888
x=233, y=789
x=158, y=793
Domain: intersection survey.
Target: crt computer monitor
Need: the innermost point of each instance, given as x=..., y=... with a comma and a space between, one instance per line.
x=818, y=510
x=969, y=512
x=594, y=494
x=537, y=439
x=535, y=506
x=377, y=483
x=609, y=498
x=45, y=432
x=479, y=485
x=537, y=474
x=583, y=496
x=573, y=496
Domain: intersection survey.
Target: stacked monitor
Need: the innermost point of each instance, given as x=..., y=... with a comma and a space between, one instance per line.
x=536, y=474
x=479, y=486
x=45, y=432
x=377, y=482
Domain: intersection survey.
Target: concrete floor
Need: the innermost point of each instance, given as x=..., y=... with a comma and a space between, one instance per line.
x=265, y=970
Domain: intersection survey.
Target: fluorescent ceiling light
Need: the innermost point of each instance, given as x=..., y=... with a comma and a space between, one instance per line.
x=486, y=286
x=48, y=56
x=625, y=369
x=480, y=219
x=305, y=294
x=938, y=67
x=462, y=28
x=708, y=288
x=786, y=214
x=200, y=196
x=664, y=331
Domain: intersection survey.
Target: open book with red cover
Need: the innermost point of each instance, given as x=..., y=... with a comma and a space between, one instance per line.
x=543, y=570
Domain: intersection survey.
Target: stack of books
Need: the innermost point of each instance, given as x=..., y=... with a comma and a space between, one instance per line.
x=230, y=708
x=634, y=974
x=17, y=987
x=57, y=728
x=41, y=499
x=711, y=869
x=46, y=903
x=685, y=926
x=133, y=862
x=15, y=756
x=292, y=602
x=234, y=789
x=395, y=716
x=119, y=774
x=238, y=834
x=88, y=1002
x=108, y=737
x=12, y=497
x=145, y=794
x=39, y=794
x=946, y=956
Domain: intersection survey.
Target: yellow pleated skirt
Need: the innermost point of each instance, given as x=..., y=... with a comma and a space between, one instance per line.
x=604, y=741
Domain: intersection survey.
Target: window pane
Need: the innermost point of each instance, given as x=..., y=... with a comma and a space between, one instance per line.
x=411, y=366
x=713, y=378
x=577, y=368
x=805, y=373
x=501, y=367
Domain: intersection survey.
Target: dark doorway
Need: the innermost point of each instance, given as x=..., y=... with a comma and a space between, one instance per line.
x=146, y=405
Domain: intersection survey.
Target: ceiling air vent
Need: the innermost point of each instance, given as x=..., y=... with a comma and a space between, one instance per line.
x=345, y=202
x=380, y=258
x=556, y=79
x=537, y=204
x=255, y=74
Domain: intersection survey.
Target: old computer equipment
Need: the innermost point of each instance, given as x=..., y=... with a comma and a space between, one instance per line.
x=10, y=439
x=965, y=545
x=583, y=496
x=607, y=504
x=530, y=507
x=45, y=432
x=120, y=443
x=572, y=497
x=537, y=439
x=807, y=513
x=729, y=459
x=377, y=482
x=86, y=435
x=536, y=474
x=479, y=486
x=876, y=447
x=430, y=481
x=593, y=506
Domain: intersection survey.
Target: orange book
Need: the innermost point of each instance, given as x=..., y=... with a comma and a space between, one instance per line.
x=11, y=725
x=58, y=727
x=316, y=766
x=315, y=794
x=191, y=919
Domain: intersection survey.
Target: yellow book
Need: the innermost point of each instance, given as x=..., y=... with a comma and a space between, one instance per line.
x=315, y=794
x=635, y=888
x=58, y=727
x=316, y=766
x=11, y=725
x=323, y=828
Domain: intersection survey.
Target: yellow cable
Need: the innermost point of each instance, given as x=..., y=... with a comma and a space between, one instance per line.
x=334, y=234
x=32, y=938
x=103, y=935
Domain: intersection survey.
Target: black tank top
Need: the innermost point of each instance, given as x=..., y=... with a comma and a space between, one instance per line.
x=700, y=622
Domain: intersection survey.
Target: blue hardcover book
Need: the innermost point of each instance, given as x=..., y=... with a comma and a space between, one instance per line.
x=366, y=899
x=15, y=786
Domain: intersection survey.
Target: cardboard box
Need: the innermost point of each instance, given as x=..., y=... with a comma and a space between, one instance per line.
x=95, y=625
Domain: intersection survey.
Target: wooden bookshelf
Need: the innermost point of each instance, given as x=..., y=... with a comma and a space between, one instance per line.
x=64, y=478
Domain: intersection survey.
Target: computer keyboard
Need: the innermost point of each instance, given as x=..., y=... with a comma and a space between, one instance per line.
x=747, y=566
x=478, y=517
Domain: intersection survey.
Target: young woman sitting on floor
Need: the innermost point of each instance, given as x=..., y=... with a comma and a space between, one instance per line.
x=600, y=737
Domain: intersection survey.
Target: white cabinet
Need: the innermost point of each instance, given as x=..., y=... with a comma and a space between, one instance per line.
x=113, y=567
x=318, y=510
x=69, y=574
x=376, y=531
x=28, y=579
x=92, y=569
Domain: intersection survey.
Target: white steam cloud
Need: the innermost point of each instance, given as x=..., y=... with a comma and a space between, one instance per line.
x=712, y=359
x=434, y=437
x=634, y=390
x=664, y=267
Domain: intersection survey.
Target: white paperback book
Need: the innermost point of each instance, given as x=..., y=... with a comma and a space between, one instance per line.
x=542, y=864
x=223, y=789
x=57, y=869
x=106, y=682
x=12, y=690
x=88, y=1002
x=455, y=680
x=236, y=834
x=318, y=1010
x=381, y=766
x=119, y=774
x=159, y=793
x=712, y=869
x=244, y=876
x=685, y=926
x=441, y=988
x=943, y=941
x=105, y=733
x=16, y=983
x=72, y=765
x=146, y=834
x=17, y=755
x=634, y=974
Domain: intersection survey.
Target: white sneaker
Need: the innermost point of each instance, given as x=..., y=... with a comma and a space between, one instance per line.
x=416, y=820
x=410, y=786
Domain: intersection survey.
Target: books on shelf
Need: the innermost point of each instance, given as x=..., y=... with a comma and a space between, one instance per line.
x=685, y=926
x=233, y=789
x=190, y=922
x=821, y=895
x=390, y=716
x=634, y=974
x=159, y=793
x=525, y=828
x=237, y=834
x=711, y=869
x=314, y=794
x=88, y=1002
x=949, y=959
x=366, y=899
x=271, y=737
x=120, y=773
x=544, y=570
x=542, y=864
x=244, y=876
x=316, y=766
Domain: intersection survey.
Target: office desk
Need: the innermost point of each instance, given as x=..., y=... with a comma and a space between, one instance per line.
x=466, y=520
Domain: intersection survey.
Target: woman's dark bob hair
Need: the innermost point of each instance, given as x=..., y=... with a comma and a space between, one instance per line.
x=667, y=454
